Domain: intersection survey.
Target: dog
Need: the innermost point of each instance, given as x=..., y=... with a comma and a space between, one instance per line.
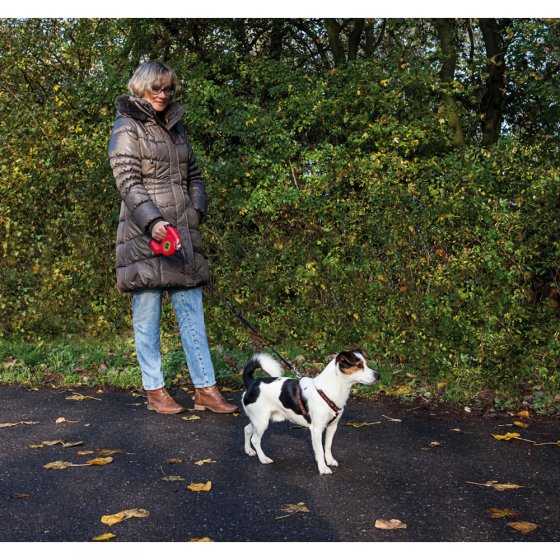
x=316, y=403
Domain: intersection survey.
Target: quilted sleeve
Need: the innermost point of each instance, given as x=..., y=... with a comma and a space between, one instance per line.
x=126, y=161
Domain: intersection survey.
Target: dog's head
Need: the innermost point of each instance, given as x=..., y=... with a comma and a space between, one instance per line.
x=352, y=363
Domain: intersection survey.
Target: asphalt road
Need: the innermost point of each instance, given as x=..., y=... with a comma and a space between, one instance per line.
x=411, y=464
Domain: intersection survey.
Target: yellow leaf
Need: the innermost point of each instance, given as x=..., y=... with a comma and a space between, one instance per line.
x=496, y=513
x=522, y=414
x=11, y=424
x=100, y=461
x=360, y=424
x=63, y=420
x=291, y=509
x=190, y=418
x=173, y=478
x=204, y=462
x=203, y=539
x=109, y=452
x=389, y=525
x=506, y=437
x=520, y=424
x=522, y=526
x=104, y=537
x=122, y=515
x=500, y=487
x=59, y=465
x=84, y=452
x=79, y=397
x=200, y=487
x=173, y=461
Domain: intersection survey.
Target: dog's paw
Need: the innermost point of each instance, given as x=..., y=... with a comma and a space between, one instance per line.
x=250, y=452
x=325, y=470
x=332, y=462
x=266, y=460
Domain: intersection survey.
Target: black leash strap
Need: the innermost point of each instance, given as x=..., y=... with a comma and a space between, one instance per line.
x=251, y=328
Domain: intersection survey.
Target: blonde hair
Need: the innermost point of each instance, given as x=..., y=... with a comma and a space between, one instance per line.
x=148, y=74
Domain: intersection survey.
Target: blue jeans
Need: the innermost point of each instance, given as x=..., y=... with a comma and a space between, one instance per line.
x=146, y=315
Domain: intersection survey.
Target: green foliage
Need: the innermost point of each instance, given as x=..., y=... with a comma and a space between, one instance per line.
x=340, y=213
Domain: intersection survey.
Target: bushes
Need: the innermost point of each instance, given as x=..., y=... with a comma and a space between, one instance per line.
x=339, y=215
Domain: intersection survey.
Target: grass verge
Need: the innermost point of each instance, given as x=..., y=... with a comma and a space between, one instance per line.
x=81, y=362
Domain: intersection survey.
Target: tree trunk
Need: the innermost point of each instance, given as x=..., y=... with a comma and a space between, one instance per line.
x=446, y=33
x=354, y=39
x=277, y=38
x=493, y=101
x=335, y=43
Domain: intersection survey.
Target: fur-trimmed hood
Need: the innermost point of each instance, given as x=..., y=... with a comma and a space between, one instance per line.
x=141, y=110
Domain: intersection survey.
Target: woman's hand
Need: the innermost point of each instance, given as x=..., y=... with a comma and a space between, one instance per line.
x=159, y=231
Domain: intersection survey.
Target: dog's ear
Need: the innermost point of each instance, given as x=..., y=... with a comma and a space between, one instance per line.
x=345, y=360
x=360, y=351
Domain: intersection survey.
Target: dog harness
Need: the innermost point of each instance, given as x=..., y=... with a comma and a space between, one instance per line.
x=304, y=410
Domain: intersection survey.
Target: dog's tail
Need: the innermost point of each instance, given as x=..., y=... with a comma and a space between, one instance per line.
x=263, y=361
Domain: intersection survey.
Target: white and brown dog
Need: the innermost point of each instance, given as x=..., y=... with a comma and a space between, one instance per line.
x=315, y=403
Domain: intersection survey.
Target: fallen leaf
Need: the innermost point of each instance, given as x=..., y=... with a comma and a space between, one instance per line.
x=500, y=487
x=79, y=397
x=59, y=465
x=435, y=444
x=506, y=437
x=63, y=420
x=203, y=539
x=172, y=461
x=122, y=515
x=390, y=524
x=360, y=424
x=226, y=390
x=200, y=487
x=522, y=414
x=72, y=444
x=20, y=496
x=523, y=526
x=467, y=409
x=173, y=478
x=11, y=424
x=520, y=424
x=53, y=442
x=85, y=452
x=204, y=461
x=190, y=418
x=100, y=461
x=104, y=537
x=496, y=513
x=109, y=452
x=292, y=509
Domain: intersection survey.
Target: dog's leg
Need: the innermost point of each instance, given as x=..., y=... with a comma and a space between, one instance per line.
x=329, y=435
x=258, y=431
x=248, y=433
x=317, y=441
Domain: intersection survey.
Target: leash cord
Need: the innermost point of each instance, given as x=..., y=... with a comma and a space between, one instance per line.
x=251, y=328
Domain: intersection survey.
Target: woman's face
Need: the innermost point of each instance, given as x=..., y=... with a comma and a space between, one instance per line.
x=160, y=95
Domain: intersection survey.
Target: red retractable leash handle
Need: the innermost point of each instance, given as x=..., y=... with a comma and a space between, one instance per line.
x=169, y=245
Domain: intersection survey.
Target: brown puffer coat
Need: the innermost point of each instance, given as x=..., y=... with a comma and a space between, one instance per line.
x=158, y=179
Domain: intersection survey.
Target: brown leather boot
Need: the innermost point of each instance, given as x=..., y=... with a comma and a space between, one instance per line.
x=160, y=401
x=211, y=398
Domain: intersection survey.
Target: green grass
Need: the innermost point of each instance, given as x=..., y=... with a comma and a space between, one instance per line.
x=78, y=362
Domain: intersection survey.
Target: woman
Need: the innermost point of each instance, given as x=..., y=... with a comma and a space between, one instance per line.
x=160, y=184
